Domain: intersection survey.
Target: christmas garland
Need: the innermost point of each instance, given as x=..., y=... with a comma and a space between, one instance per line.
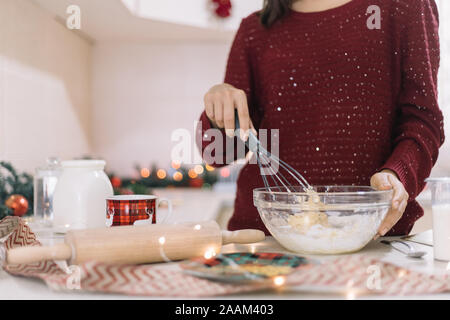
x=16, y=192
x=177, y=176
x=16, y=189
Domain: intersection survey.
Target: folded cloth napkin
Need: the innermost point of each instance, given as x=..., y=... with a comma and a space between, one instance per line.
x=355, y=273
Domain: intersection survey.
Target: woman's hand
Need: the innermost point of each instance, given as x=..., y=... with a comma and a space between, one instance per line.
x=384, y=180
x=220, y=103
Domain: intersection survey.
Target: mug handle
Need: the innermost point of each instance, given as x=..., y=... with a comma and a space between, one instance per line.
x=169, y=207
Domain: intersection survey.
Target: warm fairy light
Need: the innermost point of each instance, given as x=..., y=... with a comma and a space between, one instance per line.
x=177, y=176
x=307, y=222
x=176, y=164
x=252, y=249
x=192, y=174
x=197, y=227
x=401, y=273
x=279, y=280
x=448, y=266
x=198, y=169
x=225, y=172
x=162, y=240
x=161, y=173
x=209, y=168
x=67, y=225
x=209, y=253
x=351, y=295
x=145, y=173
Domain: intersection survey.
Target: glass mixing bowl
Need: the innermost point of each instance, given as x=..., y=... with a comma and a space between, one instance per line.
x=330, y=220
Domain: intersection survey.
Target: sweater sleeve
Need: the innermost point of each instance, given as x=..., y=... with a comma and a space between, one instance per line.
x=418, y=132
x=216, y=148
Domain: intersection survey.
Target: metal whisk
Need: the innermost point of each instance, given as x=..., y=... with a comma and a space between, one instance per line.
x=264, y=158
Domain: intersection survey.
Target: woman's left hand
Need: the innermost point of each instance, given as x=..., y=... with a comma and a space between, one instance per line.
x=385, y=180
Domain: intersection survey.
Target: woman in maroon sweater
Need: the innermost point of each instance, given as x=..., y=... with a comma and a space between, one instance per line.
x=352, y=88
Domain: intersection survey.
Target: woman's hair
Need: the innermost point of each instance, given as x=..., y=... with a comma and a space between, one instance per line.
x=274, y=10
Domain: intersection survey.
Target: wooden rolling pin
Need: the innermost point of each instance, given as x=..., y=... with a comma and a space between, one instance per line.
x=136, y=244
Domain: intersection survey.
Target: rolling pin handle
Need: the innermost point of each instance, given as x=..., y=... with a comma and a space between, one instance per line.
x=242, y=236
x=32, y=254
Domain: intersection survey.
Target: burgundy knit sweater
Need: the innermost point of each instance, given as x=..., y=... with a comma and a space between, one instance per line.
x=348, y=100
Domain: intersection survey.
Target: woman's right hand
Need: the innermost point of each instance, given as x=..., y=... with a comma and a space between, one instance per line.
x=220, y=103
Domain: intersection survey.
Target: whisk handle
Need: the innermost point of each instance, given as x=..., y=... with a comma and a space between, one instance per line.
x=236, y=120
x=252, y=142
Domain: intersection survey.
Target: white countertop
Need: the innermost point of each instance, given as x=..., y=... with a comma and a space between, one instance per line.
x=195, y=204
x=201, y=205
x=12, y=287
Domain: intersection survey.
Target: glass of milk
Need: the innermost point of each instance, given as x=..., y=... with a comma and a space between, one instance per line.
x=440, y=201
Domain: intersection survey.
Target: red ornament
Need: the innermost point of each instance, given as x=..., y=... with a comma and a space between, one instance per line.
x=116, y=182
x=17, y=203
x=223, y=8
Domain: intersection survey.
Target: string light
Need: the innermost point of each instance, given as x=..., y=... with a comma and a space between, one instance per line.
x=161, y=174
x=145, y=173
x=225, y=172
x=307, y=221
x=163, y=255
x=351, y=292
x=209, y=168
x=401, y=273
x=192, y=174
x=197, y=227
x=279, y=281
x=209, y=253
x=351, y=295
x=176, y=164
x=177, y=176
x=198, y=169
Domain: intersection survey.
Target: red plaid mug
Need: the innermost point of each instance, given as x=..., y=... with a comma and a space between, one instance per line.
x=134, y=209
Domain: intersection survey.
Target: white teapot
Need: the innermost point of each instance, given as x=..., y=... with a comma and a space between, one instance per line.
x=80, y=195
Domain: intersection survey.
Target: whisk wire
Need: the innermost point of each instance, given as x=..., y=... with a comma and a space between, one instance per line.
x=266, y=183
x=269, y=157
x=264, y=155
x=274, y=175
x=294, y=173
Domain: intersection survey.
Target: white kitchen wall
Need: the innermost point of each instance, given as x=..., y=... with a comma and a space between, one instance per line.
x=143, y=92
x=44, y=87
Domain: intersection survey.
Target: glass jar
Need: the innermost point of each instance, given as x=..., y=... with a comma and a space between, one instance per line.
x=45, y=180
x=440, y=207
